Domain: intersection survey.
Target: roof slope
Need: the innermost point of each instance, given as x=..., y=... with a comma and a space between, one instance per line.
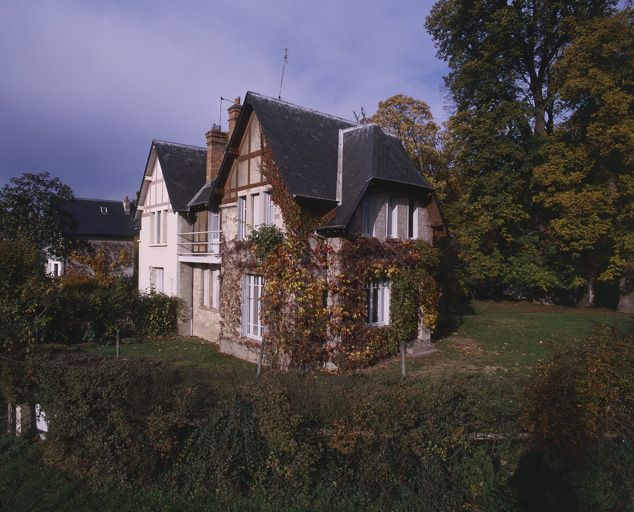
x=304, y=143
x=92, y=221
x=184, y=169
x=370, y=154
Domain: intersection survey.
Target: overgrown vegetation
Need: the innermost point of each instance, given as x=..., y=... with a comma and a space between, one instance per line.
x=316, y=442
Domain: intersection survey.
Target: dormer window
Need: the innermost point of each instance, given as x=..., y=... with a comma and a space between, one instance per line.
x=104, y=210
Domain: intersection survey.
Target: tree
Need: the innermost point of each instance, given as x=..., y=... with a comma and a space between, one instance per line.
x=501, y=56
x=586, y=184
x=26, y=294
x=32, y=208
x=412, y=121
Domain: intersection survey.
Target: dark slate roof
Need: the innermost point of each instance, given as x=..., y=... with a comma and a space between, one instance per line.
x=371, y=155
x=203, y=196
x=303, y=141
x=90, y=220
x=305, y=146
x=184, y=169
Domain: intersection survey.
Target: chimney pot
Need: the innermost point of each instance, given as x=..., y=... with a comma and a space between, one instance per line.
x=216, y=142
x=232, y=118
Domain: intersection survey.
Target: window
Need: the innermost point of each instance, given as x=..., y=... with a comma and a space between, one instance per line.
x=152, y=228
x=104, y=210
x=378, y=301
x=368, y=212
x=215, y=289
x=164, y=230
x=268, y=209
x=251, y=295
x=412, y=219
x=200, y=232
x=206, y=286
x=392, y=218
x=55, y=268
x=156, y=279
x=157, y=235
x=242, y=217
x=256, y=211
x=215, y=233
x=211, y=288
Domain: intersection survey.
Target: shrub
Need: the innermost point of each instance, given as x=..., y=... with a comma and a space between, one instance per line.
x=579, y=411
x=114, y=419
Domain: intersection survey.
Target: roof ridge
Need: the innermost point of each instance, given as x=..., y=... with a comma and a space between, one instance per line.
x=178, y=144
x=98, y=200
x=307, y=109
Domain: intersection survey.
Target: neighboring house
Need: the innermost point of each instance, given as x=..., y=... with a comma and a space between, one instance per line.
x=101, y=224
x=207, y=199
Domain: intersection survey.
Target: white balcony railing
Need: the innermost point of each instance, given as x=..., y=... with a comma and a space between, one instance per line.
x=199, y=243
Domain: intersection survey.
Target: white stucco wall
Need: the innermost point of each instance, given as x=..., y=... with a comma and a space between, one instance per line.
x=163, y=255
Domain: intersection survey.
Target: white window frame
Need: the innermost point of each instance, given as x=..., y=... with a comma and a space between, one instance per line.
x=252, y=288
x=391, y=217
x=206, y=287
x=215, y=288
x=157, y=225
x=268, y=209
x=413, y=212
x=256, y=211
x=378, y=311
x=242, y=217
x=368, y=215
x=152, y=228
x=214, y=227
x=157, y=277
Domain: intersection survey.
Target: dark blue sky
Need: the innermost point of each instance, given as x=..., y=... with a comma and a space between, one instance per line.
x=86, y=85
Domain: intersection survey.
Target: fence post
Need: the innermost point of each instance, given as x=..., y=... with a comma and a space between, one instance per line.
x=403, y=368
x=260, y=359
x=10, y=419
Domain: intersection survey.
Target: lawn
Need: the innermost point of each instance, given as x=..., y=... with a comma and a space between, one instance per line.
x=500, y=338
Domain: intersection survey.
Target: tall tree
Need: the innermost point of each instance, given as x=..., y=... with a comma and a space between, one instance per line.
x=501, y=56
x=412, y=120
x=32, y=208
x=586, y=184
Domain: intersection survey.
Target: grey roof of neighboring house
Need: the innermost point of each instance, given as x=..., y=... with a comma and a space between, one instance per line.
x=184, y=170
x=91, y=220
x=371, y=155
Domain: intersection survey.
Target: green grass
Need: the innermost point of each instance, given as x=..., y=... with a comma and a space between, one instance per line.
x=494, y=337
x=515, y=336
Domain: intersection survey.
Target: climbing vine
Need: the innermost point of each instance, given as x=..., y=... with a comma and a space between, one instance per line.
x=303, y=329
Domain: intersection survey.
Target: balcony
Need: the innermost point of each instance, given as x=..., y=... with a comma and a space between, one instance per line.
x=199, y=247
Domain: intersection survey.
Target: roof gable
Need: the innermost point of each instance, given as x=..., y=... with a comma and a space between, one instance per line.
x=184, y=170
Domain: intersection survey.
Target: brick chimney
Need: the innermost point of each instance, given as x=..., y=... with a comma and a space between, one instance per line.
x=216, y=142
x=234, y=112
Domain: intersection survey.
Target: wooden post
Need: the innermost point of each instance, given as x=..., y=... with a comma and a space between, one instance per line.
x=117, y=349
x=260, y=359
x=403, y=368
x=10, y=419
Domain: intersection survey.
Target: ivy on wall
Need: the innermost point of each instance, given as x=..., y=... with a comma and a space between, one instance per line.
x=304, y=330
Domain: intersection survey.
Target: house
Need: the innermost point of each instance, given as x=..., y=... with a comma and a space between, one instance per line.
x=197, y=206
x=101, y=225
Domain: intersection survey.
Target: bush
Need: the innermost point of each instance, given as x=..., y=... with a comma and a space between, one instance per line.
x=89, y=310
x=579, y=411
x=114, y=419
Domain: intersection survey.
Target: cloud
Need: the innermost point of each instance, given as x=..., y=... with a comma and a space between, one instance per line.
x=86, y=85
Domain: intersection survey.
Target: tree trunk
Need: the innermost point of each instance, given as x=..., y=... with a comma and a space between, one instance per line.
x=540, y=116
x=590, y=300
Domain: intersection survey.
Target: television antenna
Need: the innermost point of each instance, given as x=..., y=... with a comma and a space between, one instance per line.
x=285, y=60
